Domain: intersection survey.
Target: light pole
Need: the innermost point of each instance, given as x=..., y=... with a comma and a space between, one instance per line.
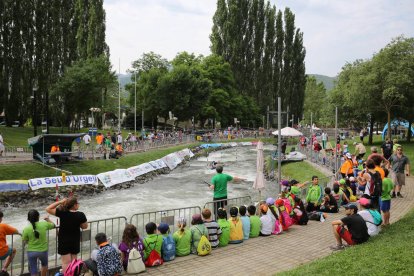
x=135, y=113
x=34, y=97
x=119, y=96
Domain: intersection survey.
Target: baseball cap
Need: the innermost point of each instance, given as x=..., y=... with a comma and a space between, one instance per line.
x=352, y=179
x=285, y=182
x=351, y=206
x=364, y=201
x=163, y=227
x=342, y=181
x=348, y=155
x=279, y=202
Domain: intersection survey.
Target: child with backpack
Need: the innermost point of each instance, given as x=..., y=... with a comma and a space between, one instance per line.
x=224, y=227
x=168, y=243
x=245, y=222
x=107, y=260
x=284, y=218
x=236, y=226
x=213, y=228
x=130, y=240
x=300, y=216
x=152, y=245
x=255, y=223
x=182, y=238
x=198, y=231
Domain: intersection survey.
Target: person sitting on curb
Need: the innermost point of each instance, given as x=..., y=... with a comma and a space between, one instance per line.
x=366, y=214
x=352, y=228
x=314, y=195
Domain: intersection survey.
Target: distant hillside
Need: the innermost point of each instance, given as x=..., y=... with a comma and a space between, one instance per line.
x=329, y=82
x=124, y=79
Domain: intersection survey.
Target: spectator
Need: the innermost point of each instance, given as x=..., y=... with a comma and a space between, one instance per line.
x=224, y=226
x=255, y=223
x=245, y=222
x=1, y=145
x=329, y=203
x=387, y=187
x=386, y=148
x=347, y=168
x=352, y=228
x=213, y=228
x=69, y=235
x=6, y=252
x=87, y=140
x=130, y=239
x=365, y=213
x=378, y=158
x=35, y=235
x=360, y=150
x=198, y=229
x=266, y=221
x=313, y=197
x=399, y=162
x=182, y=238
x=236, y=226
x=107, y=260
x=152, y=241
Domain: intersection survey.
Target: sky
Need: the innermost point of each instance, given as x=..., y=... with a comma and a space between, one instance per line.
x=335, y=31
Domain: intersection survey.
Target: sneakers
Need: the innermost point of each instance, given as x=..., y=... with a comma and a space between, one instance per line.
x=399, y=195
x=393, y=195
x=337, y=247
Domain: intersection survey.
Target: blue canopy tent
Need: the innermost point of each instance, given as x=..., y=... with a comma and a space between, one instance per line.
x=396, y=123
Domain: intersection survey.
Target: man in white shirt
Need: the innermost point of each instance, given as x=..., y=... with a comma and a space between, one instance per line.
x=119, y=138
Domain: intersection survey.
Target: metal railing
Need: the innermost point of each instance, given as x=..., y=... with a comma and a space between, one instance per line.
x=322, y=158
x=13, y=151
x=113, y=228
x=227, y=203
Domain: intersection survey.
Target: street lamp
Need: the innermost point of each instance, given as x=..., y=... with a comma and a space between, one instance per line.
x=135, y=113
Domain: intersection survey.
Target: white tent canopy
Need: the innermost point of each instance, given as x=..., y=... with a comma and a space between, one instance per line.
x=288, y=131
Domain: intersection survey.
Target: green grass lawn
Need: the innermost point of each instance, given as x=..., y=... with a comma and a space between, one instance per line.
x=301, y=171
x=389, y=253
x=32, y=170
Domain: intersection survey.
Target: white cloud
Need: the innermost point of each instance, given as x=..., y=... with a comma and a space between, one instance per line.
x=335, y=31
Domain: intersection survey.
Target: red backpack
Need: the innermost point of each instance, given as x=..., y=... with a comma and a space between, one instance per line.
x=154, y=258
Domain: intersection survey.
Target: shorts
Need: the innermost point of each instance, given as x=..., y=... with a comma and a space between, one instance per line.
x=385, y=205
x=33, y=257
x=345, y=235
x=8, y=253
x=399, y=179
x=68, y=247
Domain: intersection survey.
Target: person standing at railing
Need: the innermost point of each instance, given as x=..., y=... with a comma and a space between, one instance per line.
x=219, y=186
x=35, y=235
x=6, y=252
x=71, y=221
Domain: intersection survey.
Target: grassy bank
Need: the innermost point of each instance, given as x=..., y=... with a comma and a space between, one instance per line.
x=33, y=170
x=389, y=253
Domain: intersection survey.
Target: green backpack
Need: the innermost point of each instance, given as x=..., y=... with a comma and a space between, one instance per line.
x=376, y=216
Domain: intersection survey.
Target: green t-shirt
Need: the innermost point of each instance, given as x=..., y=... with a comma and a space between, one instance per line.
x=196, y=232
x=255, y=226
x=295, y=190
x=220, y=184
x=40, y=244
x=182, y=242
x=151, y=242
x=314, y=194
x=387, y=186
x=225, y=232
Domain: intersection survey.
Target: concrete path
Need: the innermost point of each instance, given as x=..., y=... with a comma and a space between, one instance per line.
x=259, y=256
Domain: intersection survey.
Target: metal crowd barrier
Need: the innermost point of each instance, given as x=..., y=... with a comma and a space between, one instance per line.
x=113, y=228
x=10, y=151
x=230, y=202
x=169, y=216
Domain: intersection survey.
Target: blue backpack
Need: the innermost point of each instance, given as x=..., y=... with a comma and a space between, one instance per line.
x=376, y=216
x=168, y=248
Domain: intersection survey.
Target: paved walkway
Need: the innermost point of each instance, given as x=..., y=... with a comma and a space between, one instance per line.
x=259, y=256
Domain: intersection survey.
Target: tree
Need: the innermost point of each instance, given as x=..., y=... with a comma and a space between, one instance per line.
x=315, y=97
x=148, y=61
x=87, y=80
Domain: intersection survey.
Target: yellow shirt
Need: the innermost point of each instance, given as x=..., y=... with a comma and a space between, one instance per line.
x=236, y=229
